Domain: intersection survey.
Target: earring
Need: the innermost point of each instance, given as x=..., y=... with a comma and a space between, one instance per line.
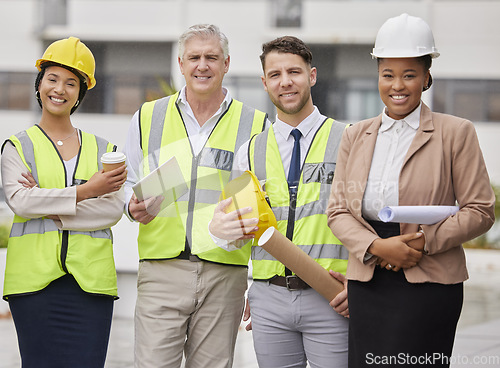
x=37, y=95
x=429, y=83
x=77, y=103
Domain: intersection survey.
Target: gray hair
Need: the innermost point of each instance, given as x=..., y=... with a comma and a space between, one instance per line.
x=204, y=30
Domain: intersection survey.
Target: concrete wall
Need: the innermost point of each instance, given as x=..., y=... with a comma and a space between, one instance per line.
x=19, y=43
x=465, y=31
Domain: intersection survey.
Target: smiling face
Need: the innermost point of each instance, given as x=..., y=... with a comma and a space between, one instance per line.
x=203, y=65
x=59, y=90
x=288, y=80
x=400, y=84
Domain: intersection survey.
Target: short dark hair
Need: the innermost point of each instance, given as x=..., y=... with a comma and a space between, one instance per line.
x=287, y=45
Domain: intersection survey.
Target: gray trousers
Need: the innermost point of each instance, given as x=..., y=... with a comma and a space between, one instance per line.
x=293, y=328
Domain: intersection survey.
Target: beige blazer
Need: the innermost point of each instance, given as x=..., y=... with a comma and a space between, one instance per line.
x=444, y=165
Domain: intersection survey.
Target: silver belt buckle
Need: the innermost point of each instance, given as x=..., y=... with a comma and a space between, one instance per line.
x=288, y=278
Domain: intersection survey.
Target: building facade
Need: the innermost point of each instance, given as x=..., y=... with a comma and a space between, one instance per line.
x=135, y=45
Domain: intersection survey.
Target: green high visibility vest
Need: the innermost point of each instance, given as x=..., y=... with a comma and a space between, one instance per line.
x=308, y=229
x=184, y=224
x=38, y=252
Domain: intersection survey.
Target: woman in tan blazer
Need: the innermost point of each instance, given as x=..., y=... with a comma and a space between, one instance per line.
x=406, y=280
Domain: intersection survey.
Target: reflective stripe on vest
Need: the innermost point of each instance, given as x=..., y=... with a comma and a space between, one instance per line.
x=310, y=231
x=38, y=252
x=164, y=135
x=42, y=225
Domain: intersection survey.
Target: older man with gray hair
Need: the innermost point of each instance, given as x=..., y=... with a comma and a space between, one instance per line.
x=190, y=293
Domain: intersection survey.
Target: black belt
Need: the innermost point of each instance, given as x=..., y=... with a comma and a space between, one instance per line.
x=188, y=256
x=292, y=282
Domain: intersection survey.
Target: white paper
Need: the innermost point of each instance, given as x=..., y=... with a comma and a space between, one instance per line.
x=166, y=180
x=424, y=215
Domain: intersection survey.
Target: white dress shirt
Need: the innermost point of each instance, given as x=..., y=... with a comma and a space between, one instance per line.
x=307, y=127
x=198, y=136
x=393, y=141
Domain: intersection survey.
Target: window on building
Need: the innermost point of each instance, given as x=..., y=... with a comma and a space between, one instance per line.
x=250, y=91
x=362, y=99
x=130, y=92
x=128, y=74
x=349, y=99
x=476, y=100
x=54, y=12
x=287, y=13
x=17, y=90
x=120, y=94
x=124, y=93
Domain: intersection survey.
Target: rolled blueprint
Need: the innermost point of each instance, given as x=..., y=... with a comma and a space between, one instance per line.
x=295, y=259
x=423, y=215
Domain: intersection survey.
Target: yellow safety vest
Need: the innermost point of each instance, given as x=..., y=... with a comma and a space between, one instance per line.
x=184, y=224
x=308, y=229
x=38, y=252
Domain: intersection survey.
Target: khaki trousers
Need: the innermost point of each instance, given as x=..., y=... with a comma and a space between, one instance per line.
x=187, y=307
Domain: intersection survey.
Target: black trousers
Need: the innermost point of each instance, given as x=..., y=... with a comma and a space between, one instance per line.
x=394, y=323
x=62, y=326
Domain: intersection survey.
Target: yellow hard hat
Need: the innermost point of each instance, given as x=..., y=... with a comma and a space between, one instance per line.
x=246, y=191
x=73, y=53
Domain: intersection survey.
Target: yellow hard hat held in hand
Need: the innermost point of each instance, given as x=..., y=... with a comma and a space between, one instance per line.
x=246, y=191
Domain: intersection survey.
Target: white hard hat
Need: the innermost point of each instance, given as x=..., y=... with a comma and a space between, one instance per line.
x=404, y=36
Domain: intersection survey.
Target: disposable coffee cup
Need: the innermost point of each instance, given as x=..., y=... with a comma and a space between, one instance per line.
x=112, y=160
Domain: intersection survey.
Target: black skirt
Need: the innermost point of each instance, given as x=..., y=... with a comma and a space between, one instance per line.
x=394, y=323
x=62, y=326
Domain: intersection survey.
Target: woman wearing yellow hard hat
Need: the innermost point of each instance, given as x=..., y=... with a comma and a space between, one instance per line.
x=405, y=285
x=60, y=278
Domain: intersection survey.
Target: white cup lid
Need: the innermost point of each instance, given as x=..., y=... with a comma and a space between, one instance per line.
x=112, y=157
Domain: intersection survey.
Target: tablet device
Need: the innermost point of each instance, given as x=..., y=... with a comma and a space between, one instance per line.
x=166, y=180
